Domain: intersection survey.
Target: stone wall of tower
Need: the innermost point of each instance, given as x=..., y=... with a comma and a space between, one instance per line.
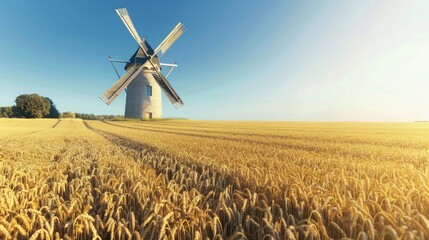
x=138, y=104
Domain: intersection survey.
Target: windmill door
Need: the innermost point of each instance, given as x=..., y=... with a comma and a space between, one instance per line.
x=149, y=115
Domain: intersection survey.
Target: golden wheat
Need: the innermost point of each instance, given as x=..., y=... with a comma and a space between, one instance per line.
x=213, y=180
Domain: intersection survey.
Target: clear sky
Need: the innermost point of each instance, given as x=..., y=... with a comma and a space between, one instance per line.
x=239, y=60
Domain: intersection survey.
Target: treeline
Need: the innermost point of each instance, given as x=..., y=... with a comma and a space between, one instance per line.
x=30, y=106
x=7, y=112
x=90, y=116
x=36, y=106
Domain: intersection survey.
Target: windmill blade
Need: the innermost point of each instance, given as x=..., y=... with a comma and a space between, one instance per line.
x=171, y=38
x=144, y=45
x=123, y=14
x=121, y=84
x=168, y=89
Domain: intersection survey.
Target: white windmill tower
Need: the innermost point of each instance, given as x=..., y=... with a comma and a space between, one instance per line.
x=143, y=78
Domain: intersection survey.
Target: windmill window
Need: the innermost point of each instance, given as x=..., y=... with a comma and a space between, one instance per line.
x=148, y=91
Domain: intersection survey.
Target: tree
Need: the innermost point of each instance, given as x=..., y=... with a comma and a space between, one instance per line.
x=67, y=115
x=16, y=113
x=6, y=112
x=32, y=105
x=53, y=111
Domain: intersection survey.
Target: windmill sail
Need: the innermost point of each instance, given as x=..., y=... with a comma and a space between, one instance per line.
x=121, y=84
x=123, y=14
x=168, y=89
x=171, y=38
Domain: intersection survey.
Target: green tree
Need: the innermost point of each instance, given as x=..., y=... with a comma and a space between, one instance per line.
x=6, y=112
x=16, y=113
x=53, y=111
x=32, y=105
x=67, y=115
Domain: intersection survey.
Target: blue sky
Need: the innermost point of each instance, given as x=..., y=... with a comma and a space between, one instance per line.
x=238, y=60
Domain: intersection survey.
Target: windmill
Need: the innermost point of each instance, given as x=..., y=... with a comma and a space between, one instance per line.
x=143, y=80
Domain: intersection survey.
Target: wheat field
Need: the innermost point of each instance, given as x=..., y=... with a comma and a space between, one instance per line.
x=182, y=179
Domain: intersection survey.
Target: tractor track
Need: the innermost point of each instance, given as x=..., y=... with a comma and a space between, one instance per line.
x=219, y=189
x=246, y=137
x=56, y=124
x=282, y=145
x=169, y=164
x=160, y=160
